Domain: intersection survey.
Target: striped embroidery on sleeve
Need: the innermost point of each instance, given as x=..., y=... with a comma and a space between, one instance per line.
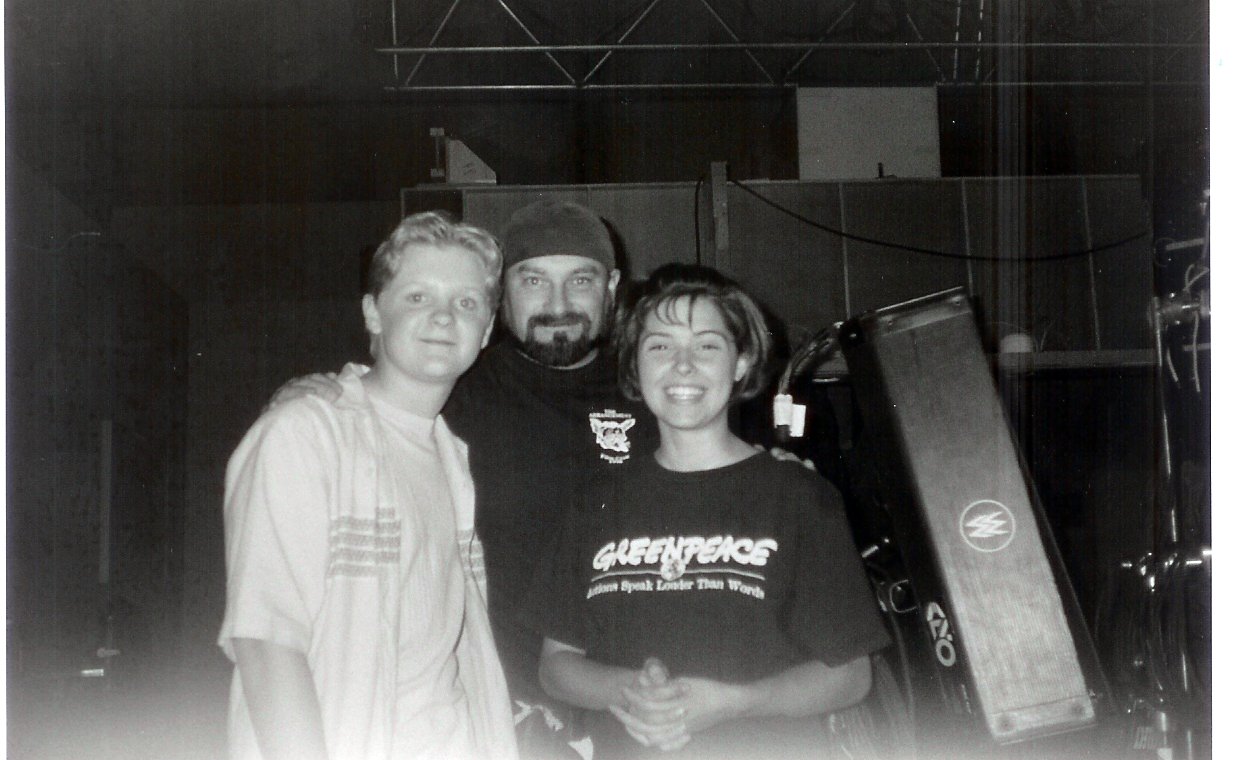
x=360, y=545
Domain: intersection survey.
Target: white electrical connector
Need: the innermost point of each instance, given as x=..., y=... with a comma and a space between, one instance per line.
x=789, y=414
x=783, y=409
x=797, y=427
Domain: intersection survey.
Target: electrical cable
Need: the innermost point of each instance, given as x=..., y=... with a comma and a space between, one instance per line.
x=1189, y=280
x=1156, y=653
x=1150, y=614
x=697, y=216
x=1123, y=609
x=905, y=662
x=822, y=340
x=1174, y=575
x=1174, y=375
x=930, y=251
x=1196, y=351
x=1180, y=668
x=1163, y=648
x=907, y=727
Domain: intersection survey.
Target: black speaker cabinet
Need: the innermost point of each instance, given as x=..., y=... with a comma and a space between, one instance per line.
x=993, y=602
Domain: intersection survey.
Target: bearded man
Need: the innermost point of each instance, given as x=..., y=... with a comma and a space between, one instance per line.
x=542, y=412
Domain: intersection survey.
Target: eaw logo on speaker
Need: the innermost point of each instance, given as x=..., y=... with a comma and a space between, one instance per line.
x=940, y=629
x=987, y=525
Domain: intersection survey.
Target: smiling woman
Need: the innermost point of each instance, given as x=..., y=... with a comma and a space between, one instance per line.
x=688, y=363
x=692, y=344
x=708, y=598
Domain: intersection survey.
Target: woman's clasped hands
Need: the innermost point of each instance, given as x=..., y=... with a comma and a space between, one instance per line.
x=663, y=712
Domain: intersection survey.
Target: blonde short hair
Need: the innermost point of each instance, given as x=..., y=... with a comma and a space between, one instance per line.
x=435, y=228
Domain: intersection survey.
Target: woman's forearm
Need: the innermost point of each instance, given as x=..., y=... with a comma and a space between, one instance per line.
x=568, y=675
x=810, y=688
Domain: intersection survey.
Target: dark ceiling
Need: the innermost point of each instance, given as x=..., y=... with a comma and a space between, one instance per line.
x=120, y=103
x=70, y=53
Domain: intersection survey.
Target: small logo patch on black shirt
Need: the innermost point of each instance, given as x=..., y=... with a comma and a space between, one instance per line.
x=611, y=434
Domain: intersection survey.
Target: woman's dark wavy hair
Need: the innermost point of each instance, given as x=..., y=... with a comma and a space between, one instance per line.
x=657, y=295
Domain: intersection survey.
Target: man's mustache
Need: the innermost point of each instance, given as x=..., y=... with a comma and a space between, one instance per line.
x=560, y=320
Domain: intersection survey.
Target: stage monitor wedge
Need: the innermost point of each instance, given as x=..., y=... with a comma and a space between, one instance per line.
x=966, y=519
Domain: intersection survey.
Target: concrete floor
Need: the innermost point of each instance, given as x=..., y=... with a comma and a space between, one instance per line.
x=175, y=715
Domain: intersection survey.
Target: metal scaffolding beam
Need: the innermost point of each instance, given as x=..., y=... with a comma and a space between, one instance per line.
x=733, y=46
x=961, y=38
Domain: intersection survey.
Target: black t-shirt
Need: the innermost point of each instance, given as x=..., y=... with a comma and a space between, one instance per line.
x=535, y=435
x=733, y=574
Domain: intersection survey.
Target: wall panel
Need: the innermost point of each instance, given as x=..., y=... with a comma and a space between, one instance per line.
x=1021, y=221
x=655, y=222
x=98, y=344
x=794, y=269
x=810, y=277
x=1116, y=211
x=918, y=214
x=272, y=292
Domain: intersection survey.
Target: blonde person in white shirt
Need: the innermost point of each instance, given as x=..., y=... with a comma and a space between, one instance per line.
x=356, y=614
